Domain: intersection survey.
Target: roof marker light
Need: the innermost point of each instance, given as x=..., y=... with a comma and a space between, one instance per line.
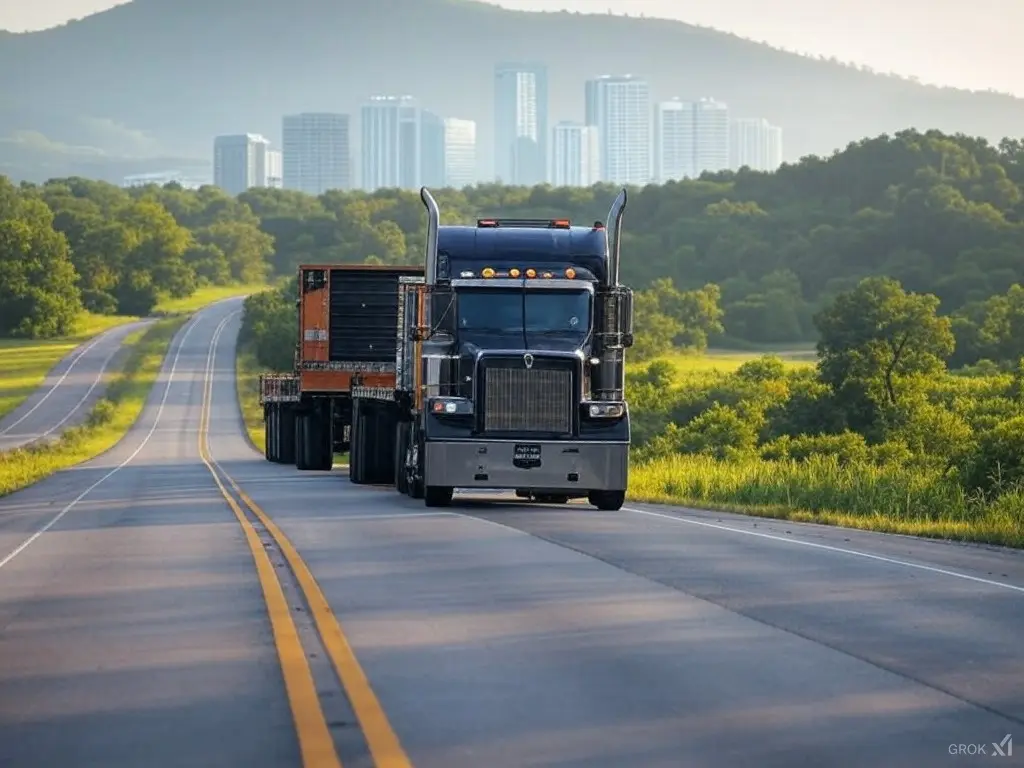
x=531, y=273
x=570, y=273
x=548, y=275
x=487, y=272
x=514, y=272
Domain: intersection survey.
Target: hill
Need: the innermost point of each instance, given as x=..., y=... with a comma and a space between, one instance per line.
x=158, y=78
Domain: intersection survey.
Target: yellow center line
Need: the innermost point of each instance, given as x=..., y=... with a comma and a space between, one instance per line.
x=315, y=742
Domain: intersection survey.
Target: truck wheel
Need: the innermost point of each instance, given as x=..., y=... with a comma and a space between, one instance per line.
x=607, y=501
x=401, y=448
x=285, y=431
x=269, y=433
x=520, y=494
x=437, y=496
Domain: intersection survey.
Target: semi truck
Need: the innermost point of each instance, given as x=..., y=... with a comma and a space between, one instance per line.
x=503, y=366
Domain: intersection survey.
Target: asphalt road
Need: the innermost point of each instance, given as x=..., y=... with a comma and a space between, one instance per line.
x=135, y=630
x=69, y=391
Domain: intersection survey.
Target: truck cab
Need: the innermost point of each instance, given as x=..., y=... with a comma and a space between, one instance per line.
x=516, y=362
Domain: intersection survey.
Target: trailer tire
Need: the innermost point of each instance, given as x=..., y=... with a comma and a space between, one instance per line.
x=285, y=448
x=357, y=444
x=438, y=495
x=607, y=501
x=401, y=449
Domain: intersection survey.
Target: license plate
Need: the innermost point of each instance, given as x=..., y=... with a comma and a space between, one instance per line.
x=526, y=456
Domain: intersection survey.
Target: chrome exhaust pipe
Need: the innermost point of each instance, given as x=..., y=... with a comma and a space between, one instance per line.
x=614, y=226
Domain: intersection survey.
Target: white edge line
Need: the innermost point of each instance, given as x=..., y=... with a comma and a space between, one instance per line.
x=156, y=422
x=828, y=548
x=89, y=391
x=81, y=350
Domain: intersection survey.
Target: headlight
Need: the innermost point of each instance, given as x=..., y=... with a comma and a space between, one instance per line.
x=451, y=406
x=607, y=410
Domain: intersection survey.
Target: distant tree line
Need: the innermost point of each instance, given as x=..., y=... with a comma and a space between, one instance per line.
x=737, y=258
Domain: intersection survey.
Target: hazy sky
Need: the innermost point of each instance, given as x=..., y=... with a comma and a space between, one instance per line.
x=972, y=44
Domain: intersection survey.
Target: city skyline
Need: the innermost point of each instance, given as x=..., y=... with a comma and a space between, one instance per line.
x=627, y=135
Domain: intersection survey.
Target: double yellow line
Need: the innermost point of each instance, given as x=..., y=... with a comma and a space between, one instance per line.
x=315, y=741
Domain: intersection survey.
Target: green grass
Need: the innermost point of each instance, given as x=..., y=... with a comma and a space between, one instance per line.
x=205, y=296
x=888, y=499
x=109, y=419
x=24, y=363
x=727, y=361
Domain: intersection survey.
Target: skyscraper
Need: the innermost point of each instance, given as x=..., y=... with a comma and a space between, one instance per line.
x=275, y=165
x=240, y=162
x=520, y=123
x=575, y=155
x=317, y=152
x=711, y=123
x=674, y=141
x=774, y=148
x=432, y=154
x=620, y=108
x=391, y=143
x=460, y=169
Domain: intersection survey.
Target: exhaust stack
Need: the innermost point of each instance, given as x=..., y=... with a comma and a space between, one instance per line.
x=614, y=226
x=433, y=222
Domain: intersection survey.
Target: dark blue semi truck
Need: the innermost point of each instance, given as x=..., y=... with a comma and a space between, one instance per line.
x=509, y=366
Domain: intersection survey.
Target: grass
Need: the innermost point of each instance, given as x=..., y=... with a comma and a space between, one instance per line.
x=204, y=296
x=888, y=499
x=109, y=419
x=247, y=383
x=727, y=361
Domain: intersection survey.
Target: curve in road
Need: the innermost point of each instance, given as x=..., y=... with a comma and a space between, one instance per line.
x=69, y=391
x=141, y=626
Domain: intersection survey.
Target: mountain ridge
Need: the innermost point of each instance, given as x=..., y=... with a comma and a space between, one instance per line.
x=152, y=78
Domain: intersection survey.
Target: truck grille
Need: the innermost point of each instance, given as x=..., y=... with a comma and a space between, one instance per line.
x=518, y=399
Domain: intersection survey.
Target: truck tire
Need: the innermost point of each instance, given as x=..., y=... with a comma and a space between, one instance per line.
x=607, y=501
x=437, y=495
x=313, y=447
x=270, y=433
x=357, y=446
x=285, y=434
x=401, y=448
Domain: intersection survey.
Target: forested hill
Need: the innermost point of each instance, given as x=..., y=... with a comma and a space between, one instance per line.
x=940, y=214
x=147, y=84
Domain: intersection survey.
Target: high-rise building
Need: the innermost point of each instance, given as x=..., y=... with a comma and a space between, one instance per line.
x=460, y=169
x=520, y=123
x=317, y=153
x=774, y=148
x=391, y=143
x=275, y=169
x=240, y=162
x=432, y=156
x=756, y=144
x=711, y=128
x=575, y=155
x=620, y=108
x=674, y=141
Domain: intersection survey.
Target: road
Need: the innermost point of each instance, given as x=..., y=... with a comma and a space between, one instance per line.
x=146, y=626
x=69, y=391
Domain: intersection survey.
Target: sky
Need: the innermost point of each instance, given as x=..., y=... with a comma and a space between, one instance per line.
x=964, y=44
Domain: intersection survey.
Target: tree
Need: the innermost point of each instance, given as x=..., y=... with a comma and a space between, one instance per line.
x=38, y=294
x=877, y=333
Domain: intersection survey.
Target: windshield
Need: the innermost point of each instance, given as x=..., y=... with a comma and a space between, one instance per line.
x=535, y=311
